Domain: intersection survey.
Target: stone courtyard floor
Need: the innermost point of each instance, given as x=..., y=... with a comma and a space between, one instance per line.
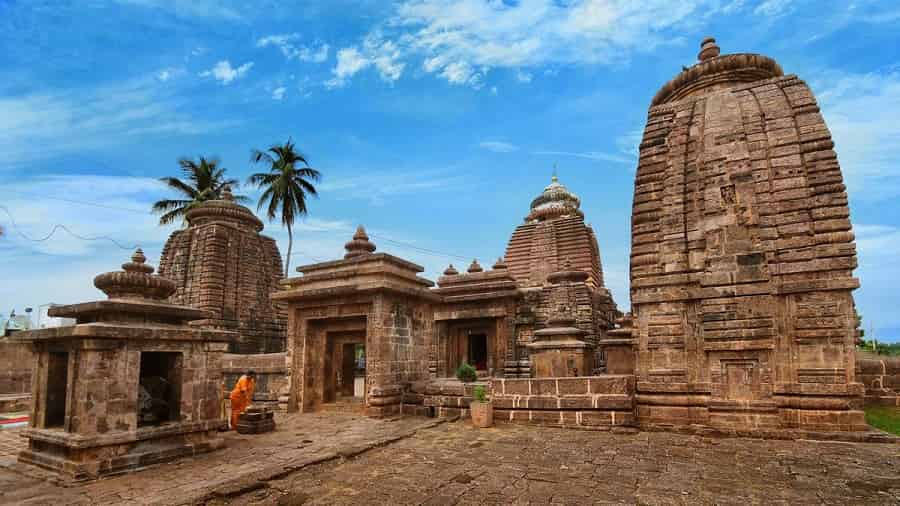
x=354, y=460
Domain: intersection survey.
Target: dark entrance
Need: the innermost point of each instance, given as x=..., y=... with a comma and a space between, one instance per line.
x=478, y=351
x=159, y=394
x=57, y=381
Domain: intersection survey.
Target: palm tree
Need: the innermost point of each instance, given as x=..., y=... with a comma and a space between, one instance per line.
x=286, y=186
x=204, y=181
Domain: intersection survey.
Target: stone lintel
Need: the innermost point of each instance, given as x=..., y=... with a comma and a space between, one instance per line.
x=128, y=306
x=483, y=296
x=370, y=258
x=470, y=314
x=298, y=294
x=124, y=332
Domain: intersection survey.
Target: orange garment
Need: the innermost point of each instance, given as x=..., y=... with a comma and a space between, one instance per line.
x=241, y=397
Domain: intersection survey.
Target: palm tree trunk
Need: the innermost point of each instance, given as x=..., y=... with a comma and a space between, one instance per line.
x=287, y=260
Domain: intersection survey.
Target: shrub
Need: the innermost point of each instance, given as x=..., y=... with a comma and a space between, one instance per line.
x=479, y=394
x=466, y=373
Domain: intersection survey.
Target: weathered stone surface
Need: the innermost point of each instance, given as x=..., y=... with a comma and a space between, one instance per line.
x=742, y=255
x=222, y=264
x=881, y=377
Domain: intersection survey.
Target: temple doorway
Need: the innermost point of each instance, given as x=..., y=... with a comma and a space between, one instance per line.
x=345, y=370
x=478, y=352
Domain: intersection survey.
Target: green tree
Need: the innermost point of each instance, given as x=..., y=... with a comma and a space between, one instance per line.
x=202, y=181
x=285, y=187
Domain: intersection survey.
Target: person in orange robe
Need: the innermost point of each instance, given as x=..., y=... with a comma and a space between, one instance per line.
x=242, y=396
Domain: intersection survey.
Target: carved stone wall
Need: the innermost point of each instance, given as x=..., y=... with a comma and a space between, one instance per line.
x=742, y=255
x=222, y=264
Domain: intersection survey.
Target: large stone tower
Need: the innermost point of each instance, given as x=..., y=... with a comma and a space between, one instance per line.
x=742, y=255
x=222, y=264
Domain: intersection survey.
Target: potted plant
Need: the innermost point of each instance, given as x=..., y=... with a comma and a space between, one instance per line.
x=481, y=409
x=466, y=373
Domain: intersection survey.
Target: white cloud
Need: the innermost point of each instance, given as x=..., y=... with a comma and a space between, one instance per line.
x=523, y=77
x=278, y=93
x=498, y=146
x=290, y=50
x=861, y=111
x=773, y=8
x=349, y=62
x=224, y=73
x=384, y=55
x=878, y=271
x=456, y=36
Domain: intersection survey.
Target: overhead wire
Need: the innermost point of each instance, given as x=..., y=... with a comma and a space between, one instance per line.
x=402, y=244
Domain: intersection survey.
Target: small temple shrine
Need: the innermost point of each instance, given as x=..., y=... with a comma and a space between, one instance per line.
x=129, y=385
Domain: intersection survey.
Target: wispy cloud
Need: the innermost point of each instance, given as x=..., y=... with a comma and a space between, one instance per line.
x=590, y=155
x=225, y=73
x=498, y=146
x=287, y=43
x=861, y=111
x=74, y=120
x=278, y=93
x=377, y=187
x=773, y=8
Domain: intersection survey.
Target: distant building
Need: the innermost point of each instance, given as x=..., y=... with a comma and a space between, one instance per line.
x=45, y=321
x=16, y=323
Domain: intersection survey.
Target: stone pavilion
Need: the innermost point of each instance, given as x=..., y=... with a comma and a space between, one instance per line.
x=129, y=385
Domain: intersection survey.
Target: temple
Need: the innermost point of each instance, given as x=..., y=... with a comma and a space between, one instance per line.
x=222, y=264
x=742, y=255
x=368, y=329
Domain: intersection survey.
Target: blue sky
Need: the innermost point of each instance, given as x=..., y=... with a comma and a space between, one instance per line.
x=434, y=122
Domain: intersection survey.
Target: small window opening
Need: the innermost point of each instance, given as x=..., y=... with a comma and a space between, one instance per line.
x=159, y=395
x=57, y=382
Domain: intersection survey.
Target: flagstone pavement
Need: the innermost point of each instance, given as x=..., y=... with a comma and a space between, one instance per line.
x=340, y=458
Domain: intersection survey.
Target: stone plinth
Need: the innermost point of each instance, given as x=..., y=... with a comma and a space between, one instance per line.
x=129, y=385
x=742, y=255
x=256, y=420
x=558, y=352
x=222, y=264
x=619, y=347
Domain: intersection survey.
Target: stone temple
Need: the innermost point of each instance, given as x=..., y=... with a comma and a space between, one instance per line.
x=741, y=278
x=742, y=255
x=222, y=264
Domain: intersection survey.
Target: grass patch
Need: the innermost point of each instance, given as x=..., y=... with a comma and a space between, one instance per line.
x=885, y=418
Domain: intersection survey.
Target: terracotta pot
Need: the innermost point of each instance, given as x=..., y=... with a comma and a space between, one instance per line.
x=482, y=414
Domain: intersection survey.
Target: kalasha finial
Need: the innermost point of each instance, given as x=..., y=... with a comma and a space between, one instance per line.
x=359, y=245
x=135, y=281
x=500, y=264
x=226, y=193
x=475, y=266
x=137, y=263
x=708, y=49
x=450, y=271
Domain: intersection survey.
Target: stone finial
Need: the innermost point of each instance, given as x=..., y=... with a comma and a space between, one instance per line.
x=500, y=264
x=475, y=267
x=135, y=281
x=226, y=193
x=451, y=271
x=708, y=49
x=359, y=245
